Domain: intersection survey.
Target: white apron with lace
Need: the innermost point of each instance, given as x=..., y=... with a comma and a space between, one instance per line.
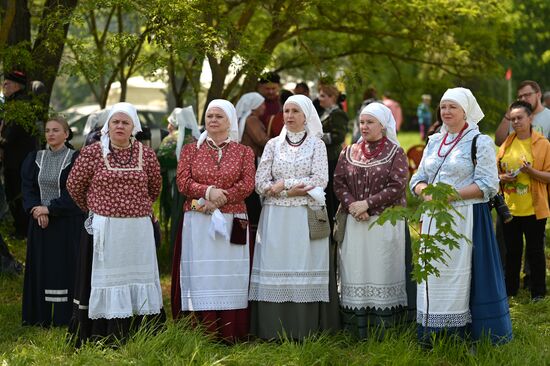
x=125, y=276
x=213, y=272
x=288, y=266
x=449, y=294
x=372, y=265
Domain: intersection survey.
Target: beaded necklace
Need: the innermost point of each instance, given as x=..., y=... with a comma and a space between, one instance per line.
x=453, y=142
x=297, y=143
x=372, y=154
x=114, y=154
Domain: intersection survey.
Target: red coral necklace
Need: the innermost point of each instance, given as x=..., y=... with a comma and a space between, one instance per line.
x=374, y=153
x=454, y=142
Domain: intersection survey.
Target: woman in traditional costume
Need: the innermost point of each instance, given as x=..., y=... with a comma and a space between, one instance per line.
x=54, y=230
x=183, y=129
x=469, y=296
x=371, y=176
x=116, y=180
x=289, y=286
x=252, y=133
x=335, y=126
x=211, y=269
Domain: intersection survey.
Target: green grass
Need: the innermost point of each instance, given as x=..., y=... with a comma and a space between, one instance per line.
x=408, y=139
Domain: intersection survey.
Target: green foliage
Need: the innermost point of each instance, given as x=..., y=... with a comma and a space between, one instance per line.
x=24, y=113
x=529, y=58
x=429, y=248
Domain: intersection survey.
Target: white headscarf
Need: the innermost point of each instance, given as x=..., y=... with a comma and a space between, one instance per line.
x=183, y=118
x=384, y=115
x=313, y=124
x=467, y=101
x=123, y=107
x=244, y=107
x=230, y=113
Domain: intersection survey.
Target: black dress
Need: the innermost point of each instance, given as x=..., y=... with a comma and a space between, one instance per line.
x=51, y=252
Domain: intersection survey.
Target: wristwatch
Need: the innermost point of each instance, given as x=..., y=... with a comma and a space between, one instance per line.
x=283, y=194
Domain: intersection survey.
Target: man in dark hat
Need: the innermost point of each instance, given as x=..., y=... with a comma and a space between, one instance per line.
x=17, y=140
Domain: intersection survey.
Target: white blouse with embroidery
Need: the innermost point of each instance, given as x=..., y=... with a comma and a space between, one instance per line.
x=305, y=164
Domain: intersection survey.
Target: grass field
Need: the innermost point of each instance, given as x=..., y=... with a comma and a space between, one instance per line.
x=179, y=344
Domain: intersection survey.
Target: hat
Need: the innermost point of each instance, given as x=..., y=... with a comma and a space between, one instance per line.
x=17, y=76
x=270, y=77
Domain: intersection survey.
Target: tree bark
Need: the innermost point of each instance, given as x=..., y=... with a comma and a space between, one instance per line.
x=8, y=8
x=50, y=41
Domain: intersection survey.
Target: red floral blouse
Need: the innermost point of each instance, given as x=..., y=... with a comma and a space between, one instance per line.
x=125, y=184
x=199, y=168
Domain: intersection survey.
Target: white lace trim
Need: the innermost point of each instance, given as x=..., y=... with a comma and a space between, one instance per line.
x=125, y=301
x=444, y=320
x=284, y=276
x=194, y=303
x=373, y=296
x=296, y=293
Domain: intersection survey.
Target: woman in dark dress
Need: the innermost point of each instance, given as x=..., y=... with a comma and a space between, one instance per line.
x=54, y=230
x=335, y=124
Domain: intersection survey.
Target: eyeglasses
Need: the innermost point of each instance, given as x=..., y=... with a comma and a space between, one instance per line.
x=526, y=95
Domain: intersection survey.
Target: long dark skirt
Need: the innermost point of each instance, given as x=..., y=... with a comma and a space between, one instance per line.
x=365, y=321
x=297, y=321
x=228, y=325
x=50, y=271
x=109, y=331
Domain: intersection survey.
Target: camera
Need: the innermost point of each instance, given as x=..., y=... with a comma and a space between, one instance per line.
x=498, y=203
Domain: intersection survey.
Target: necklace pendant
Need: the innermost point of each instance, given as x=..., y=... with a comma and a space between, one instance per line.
x=219, y=155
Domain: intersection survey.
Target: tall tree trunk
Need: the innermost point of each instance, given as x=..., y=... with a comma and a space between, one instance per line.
x=19, y=33
x=50, y=41
x=8, y=9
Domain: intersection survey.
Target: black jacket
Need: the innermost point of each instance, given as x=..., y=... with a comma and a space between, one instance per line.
x=17, y=141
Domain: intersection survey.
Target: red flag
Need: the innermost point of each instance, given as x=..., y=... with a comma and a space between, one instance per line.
x=508, y=74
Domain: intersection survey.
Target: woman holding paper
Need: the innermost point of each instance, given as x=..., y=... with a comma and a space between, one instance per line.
x=289, y=285
x=212, y=261
x=371, y=176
